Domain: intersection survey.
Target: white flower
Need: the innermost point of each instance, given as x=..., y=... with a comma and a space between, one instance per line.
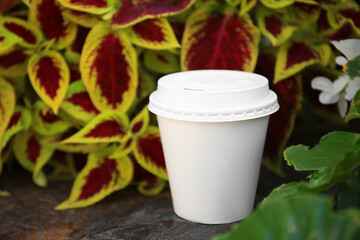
x=342, y=89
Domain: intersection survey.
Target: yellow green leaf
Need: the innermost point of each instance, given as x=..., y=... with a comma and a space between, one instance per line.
x=140, y=122
x=49, y=75
x=149, y=153
x=32, y=155
x=13, y=62
x=246, y=6
x=100, y=177
x=95, y=6
x=20, y=120
x=7, y=105
x=110, y=126
x=162, y=62
x=81, y=18
x=153, y=34
x=292, y=57
x=108, y=68
x=45, y=122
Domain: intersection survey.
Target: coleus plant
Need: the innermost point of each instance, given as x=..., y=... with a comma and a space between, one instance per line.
x=93, y=64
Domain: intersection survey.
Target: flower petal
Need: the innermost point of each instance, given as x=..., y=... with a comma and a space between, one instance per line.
x=342, y=106
x=340, y=83
x=340, y=60
x=352, y=88
x=322, y=83
x=328, y=98
x=349, y=47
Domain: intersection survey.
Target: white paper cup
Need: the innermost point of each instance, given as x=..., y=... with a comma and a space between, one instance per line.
x=213, y=125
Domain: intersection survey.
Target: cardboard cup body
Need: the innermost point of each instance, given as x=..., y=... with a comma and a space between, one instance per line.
x=213, y=125
x=213, y=168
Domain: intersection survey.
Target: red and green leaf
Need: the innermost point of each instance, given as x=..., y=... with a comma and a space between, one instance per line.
x=216, y=37
x=49, y=75
x=32, y=155
x=77, y=103
x=109, y=69
x=90, y=6
x=63, y=167
x=147, y=183
x=7, y=39
x=352, y=15
x=271, y=24
x=110, y=126
x=301, y=13
x=13, y=62
x=45, y=122
x=82, y=19
x=73, y=52
x=20, y=120
x=131, y=12
x=29, y=34
x=56, y=143
x=281, y=124
x=100, y=177
x=149, y=153
x=162, y=62
x=292, y=57
x=47, y=16
x=7, y=106
x=153, y=34
x=139, y=124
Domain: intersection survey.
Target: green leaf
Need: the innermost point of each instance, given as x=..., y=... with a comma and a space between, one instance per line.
x=350, y=194
x=233, y=2
x=354, y=111
x=306, y=216
x=353, y=67
x=335, y=158
x=162, y=62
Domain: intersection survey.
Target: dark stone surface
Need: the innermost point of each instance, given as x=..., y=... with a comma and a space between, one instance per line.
x=29, y=214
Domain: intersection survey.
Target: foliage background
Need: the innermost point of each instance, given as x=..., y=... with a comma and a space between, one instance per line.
x=76, y=76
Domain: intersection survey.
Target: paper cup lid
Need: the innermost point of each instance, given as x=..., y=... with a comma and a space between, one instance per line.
x=213, y=96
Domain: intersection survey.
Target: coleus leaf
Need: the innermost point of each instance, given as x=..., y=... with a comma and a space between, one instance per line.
x=90, y=6
x=153, y=34
x=32, y=155
x=301, y=13
x=354, y=111
x=292, y=57
x=283, y=3
x=140, y=122
x=77, y=103
x=246, y=6
x=73, y=52
x=47, y=16
x=45, y=122
x=162, y=62
x=100, y=177
x=352, y=16
x=307, y=216
x=7, y=39
x=20, y=120
x=281, y=124
x=147, y=183
x=7, y=105
x=7, y=4
x=233, y=2
x=349, y=197
x=271, y=24
x=49, y=75
x=56, y=143
x=149, y=153
x=216, y=37
x=334, y=159
x=110, y=126
x=63, y=167
x=147, y=82
x=13, y=62
x=29, y=34
x=131, y=12
x=108, y=68
x=82, y=19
